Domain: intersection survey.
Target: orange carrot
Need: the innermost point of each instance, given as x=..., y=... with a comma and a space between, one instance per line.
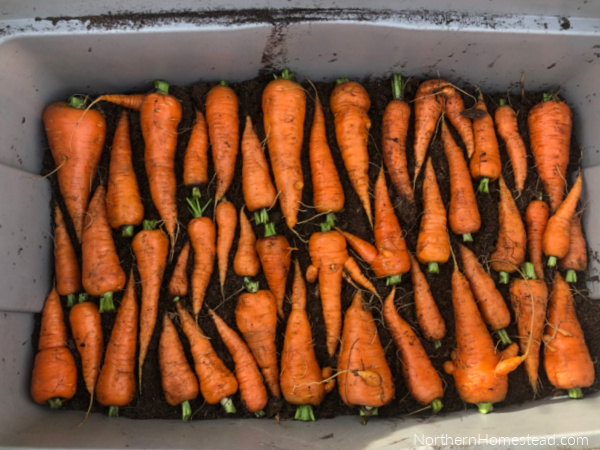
x=123, y=201
x=246, y=262
x=226, y=217
x=576, y=258
x=76, y=139
x=567, y=359
x=485, y=163
x=133, y=102
x=284, y=108
x=101, y=271
x=178, y=286
x=453, y=108
x=66, y=265
x=505, y=119
x=536, y=218
x=422, y=380
x=54, y=376
x=195, y=161
x=349, y=103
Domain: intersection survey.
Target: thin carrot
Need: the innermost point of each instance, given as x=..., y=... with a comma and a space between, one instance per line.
x=133, y=101
x=355, y=273
x=453, y=108
x=178, y=286
x=576, y=258
x=76, y=139
x=505, y=119
x=226, y=217
x=195, y=161
x=485, y=163
x=123, y=201
x=246, y=262
x=66, y=265
x=536, y=218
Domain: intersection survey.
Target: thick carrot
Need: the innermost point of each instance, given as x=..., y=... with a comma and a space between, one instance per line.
x=274, y=252
x=364, y=377
x=536, y=218
x=217, y=383
x=66, y=265
x=252, y=389
x=529, y=298
x=491, y=303
x=116, y=384
x=179, y=382
x=226, y=217
x=550, y=124
x=394, y=129
x=567, y=359
x=349, y=103
x=284, y=108
x=453, y=108
x=223, y=132
x=576, y=258
x=123, y=201
x=151, y=248
x=485, y=163
x=76, y=139
x=178, y=286
x=54, y=376
x=422, y=380
x=428, y=315
x=256, y=318
x=463, y=214
x=195, y=161
x=557, y=234
x=512, y=240
x=101, y=270
x=505, y=119
x=246, y=262
x=433, y=245
x=257, y=187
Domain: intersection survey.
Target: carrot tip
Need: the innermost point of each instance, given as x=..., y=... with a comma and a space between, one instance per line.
x=575, y=393
x=552, y=261
x=485, y=408
x=503, y=335
x=106, y=302
x=70, y=300
x=127, y=230
x=437, y=344
x=433, y=267
x=504, y=277
x=186, y=411
x=436, y=405
x=571, y=276
x=259, y=414
x=305, y=413
x=113, y=411
x=484, y=186
x=393, y=280
x=228, y=405
x=467, y=237
x=56, y=403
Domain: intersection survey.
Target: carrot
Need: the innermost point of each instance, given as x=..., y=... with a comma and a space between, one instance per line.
x=512, y=240
x=246, y=262
x=480, y=373
x=422, y=380
x=257, y=187
x=364, y=377
x=536, y=218
x=116, y=383
x=354, y=271
x=179, y=382
x=284, y=108
x=195, y=161
x=576, y=258
x=133, y=101
x=54, y=376
x=349, y=103
x=101, y=271
x=463, y=214
x=491, y=303
x=394, y=129
x=485, y=163
x=550, y=124
x=226, y=217
x=328, y=193
x=252, y=389
x=178, y=286
x=301, y=377
x=256, y=318
x=123, y=201
x=274, y=252
x=202, y=233
x=529, y=298
x=66, y=265
x=217, y=383
x=433, y=245
x=428, y=315
x=505, y=119
x=76, y=139
x=567, y=359
x=453, y=108
x=151, y=247
x=557, y=234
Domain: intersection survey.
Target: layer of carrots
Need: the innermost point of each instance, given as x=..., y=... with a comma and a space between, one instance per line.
x=209, y=251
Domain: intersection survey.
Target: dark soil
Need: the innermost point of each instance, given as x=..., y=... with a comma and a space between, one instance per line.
x=151, y=403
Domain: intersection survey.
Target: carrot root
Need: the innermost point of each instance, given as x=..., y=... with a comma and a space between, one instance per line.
x=305, y=413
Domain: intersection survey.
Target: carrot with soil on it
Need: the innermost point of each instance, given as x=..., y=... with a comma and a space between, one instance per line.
x=217, y=383
x=101, y=271
x=246, y=262
x=422, y=380
x=536, y=218
x=66, y=265
x=463, y=213
x=505, y=119
x=116, y=383
x=576, y=258
x=284, y=108
x=350, y=103
x=54, y=376
x=151, y=249
x=178, y=286
x=179, y=382
x=226, y=217
x=195, y=161
x=453, y=108
x=76, y=139
x=123, y=201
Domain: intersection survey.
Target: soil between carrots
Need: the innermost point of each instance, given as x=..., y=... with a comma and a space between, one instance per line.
x=151, y=403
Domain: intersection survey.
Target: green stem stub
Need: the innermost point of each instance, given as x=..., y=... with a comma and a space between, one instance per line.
x=575, y=393
x=251, y=286
x=549, y=96
x=285, y=74
x=437, y=344
x=223, y=83
x=195, y=207
x=83, y=297
x=76, y=101
x=484, y=186
x=365, y=412
x=571, y=276
x=528, y=270
x=305, y=413
x=397, y=87
x=228, y=405
x=436, y=406
x=259, y=414
x=393, y=280
x=467, y=237
x=503, y=335
x=196, y=193
x=162, y=87
x=261, y=216
x=502, y=101
x=341, y=81
x=186, y=411
x=149, y=224
x=485, y=408
x=70, y=300
x=127, y=230
x=329, y=222
x=55, y=403
x=176, y=299
x=113, y=411
x=433, y=267
x=106, y=302
x=504, y=277
x=270, y=229
x=552, y=261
